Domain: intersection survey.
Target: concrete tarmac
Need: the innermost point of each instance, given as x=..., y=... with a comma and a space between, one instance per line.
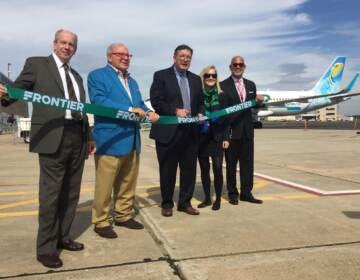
x=307, y=228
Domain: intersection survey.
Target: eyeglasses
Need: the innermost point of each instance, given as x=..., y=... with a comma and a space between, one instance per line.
x=122, y=54
x=240, y=65
x=210, y=75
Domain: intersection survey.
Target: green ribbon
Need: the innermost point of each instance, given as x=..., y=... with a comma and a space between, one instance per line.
x=66, y=104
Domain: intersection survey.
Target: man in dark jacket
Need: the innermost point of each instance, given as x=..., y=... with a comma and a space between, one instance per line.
x=238, y=90
x=175, y=91
x=61, y=138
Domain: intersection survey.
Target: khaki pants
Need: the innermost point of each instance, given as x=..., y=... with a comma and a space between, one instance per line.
x=117, y=175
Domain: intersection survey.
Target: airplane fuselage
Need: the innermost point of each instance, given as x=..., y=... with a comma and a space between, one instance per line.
x=292, y=108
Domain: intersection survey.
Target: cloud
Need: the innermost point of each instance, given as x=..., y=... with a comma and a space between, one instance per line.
x=268, y=33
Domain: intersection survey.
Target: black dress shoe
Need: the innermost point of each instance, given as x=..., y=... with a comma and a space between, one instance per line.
x=250, y=198
x=131, y=224
x=50, y=260
x=216, y=205
x=106, y=232
x=233, y=201
x=205, y=203
x=166, y=212
x=71, y=245
x=189, y=210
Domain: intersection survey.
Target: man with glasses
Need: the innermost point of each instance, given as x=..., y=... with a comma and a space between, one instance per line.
x=176, y=91
x=238, y=90
x=118, y=142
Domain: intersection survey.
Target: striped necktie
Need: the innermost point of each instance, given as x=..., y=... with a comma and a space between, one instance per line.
x=240, y=88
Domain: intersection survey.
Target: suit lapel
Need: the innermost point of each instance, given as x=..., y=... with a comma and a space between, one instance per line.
x=174, y=81
x=80, y=85
x=53, y=70
x=233, y=90
x=249, y=95
x=191, y=88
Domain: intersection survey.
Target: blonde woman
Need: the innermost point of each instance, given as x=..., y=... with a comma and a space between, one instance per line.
x=212, y=138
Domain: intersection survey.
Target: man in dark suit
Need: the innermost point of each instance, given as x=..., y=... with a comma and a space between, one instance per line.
x=61, y=140
x=238, y=90
x=175, y=91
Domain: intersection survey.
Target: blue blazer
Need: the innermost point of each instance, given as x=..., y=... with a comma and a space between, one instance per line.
x=113, y=136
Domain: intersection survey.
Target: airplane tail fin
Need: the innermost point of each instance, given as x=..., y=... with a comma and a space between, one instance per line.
x=330, y=81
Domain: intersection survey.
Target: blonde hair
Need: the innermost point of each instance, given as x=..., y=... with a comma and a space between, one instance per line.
x=204, y=71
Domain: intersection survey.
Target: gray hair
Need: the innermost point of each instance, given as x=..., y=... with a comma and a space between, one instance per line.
x=57, y=34
x=113, y=45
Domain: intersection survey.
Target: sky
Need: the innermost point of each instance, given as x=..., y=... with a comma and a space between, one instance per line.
x=287, y=44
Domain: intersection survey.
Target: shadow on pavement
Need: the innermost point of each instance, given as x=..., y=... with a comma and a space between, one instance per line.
x=82, y=220
x=352, y=214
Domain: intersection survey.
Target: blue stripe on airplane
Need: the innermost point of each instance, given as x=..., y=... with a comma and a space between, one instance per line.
x=293, y=108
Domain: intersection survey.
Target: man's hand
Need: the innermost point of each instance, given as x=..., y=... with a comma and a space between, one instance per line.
x=259, y=98
x=225, y=144
x=140, y=112
x=153, y=117
x=180, y=112
x=3, y=92
x=91, y=148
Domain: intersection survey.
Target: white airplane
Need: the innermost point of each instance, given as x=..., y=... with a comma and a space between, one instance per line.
x=326, y=92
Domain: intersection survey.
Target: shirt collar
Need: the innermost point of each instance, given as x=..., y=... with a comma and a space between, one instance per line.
x=179, y=73
x=127, y=74
x=59, y=63
x=236, y=80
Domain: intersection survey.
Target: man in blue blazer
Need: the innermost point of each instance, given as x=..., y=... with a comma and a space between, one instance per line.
x=118, y=142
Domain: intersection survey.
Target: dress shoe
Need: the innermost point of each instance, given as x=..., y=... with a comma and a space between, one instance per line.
x=50, y=260
x=216, y=205
x=106, y=232
x=250, y=198
x=189, y=210
x=166, y=212
x=233, y=201
x=205, y=203
x=130, y=224
x=71, y=245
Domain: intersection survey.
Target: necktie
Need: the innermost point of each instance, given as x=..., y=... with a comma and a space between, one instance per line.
x=185, y=92
x=71, y=91
x=241, y=89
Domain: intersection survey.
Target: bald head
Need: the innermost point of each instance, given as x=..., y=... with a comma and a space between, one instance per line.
x=237, y=66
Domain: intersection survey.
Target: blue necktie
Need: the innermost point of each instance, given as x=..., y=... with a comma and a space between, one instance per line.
x=185, y=94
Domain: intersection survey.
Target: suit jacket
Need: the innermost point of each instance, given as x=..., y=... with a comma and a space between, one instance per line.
x=241, y=123
x=40, y=74
x=114, y=136
x=165, y=97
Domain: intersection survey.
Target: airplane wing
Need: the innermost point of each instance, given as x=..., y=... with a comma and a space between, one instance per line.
x=307, y=99
x=344, y=95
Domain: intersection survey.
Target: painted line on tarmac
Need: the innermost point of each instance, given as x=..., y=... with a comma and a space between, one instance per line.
x=18, y=203
x=304, y=188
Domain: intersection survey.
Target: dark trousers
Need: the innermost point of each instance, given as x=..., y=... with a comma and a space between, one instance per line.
x=59, y=189
x=182, y=152
x=205, y=175
x=242, y=151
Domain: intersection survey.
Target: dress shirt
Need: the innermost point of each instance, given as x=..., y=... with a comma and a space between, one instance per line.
x=124, y=83
x=60, y=66
x=240, y=88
